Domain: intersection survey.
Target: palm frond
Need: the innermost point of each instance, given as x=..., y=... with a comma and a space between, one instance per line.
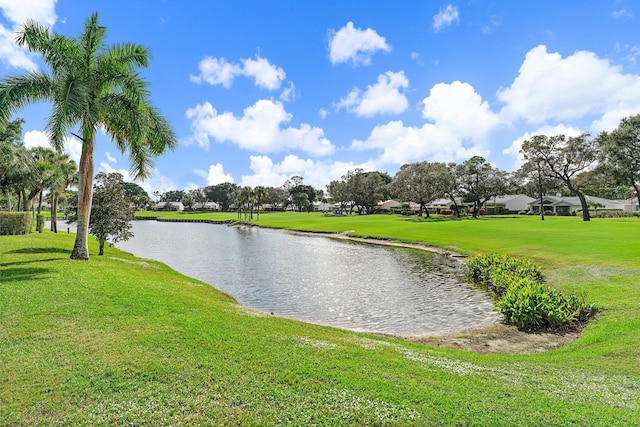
x=18, y=91
x=34, y=36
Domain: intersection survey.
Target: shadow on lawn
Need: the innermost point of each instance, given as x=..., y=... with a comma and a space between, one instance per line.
x=40, y=251
x=22, y=274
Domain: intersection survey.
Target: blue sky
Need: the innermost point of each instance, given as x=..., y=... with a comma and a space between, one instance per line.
x=259, y=91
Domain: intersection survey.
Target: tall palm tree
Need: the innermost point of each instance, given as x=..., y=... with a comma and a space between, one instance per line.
x=92, y=87
x=260, y=193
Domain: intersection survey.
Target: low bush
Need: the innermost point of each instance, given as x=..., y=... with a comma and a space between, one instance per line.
x=496, y=271
x=521, y=293
x=12, y=223
x=40, y=222
x=531, y=305
x=601, y=213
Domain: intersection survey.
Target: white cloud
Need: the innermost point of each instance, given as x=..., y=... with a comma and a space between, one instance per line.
x=622, y=14
x=36, y=138
x=514, y=148
x=260, y=129
x=446, y=17
x=107, y=168
x=461, y=126
x=263, y=73
x=322, y=113
x=216, y=71
x=219, y=71
x=315, y=173
x=384, y=97
x=550, y=87
x=460, y=109
x=215, y=175
x=401, y=144
x=110, y=158
x=355, y=45
x=289, y=93
x=18, y=12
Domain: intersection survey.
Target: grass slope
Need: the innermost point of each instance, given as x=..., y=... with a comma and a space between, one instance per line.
x=119, y=340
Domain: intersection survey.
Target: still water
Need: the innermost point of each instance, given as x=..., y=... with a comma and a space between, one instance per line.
x=354, y=286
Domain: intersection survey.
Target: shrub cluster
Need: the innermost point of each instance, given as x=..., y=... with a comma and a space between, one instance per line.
x=603, y=213
x=523, y=297
x=12, y=223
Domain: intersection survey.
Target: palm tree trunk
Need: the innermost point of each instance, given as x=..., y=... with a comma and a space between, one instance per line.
x=85, y=196
x=54, y=213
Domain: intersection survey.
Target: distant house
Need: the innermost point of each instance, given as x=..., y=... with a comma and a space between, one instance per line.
x=389, y=205
x=632, y=204
x=562, y=205
x=444, y=204
x=169, y=206
x=208, y=206
x=319, y=206
x=512, y=203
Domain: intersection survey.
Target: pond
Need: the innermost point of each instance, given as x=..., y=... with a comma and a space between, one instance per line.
x=354, y=286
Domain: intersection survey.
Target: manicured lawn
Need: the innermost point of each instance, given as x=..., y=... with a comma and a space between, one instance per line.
x=119, y=340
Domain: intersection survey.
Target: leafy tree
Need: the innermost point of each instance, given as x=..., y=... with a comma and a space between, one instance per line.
x=111, y=213
x=173, y=196
x=563, y=159
x=95, y=87
x=478, y=182
x=198, y=196
x=224, y=194
x=620, y=152
x=339, y=192
x=301, y=200
x=295, y=186
x=535, y=170
x=276, y=197
x=422, y=183
x=138, y=195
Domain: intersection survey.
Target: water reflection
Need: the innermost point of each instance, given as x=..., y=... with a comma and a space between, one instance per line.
x=321, y=280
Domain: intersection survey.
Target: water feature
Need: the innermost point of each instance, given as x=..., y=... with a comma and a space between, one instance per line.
x=321, y=280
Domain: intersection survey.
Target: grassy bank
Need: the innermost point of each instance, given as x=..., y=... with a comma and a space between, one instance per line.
x=120, y=340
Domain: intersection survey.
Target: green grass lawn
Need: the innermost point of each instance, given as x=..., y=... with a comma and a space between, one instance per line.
x=120, y=340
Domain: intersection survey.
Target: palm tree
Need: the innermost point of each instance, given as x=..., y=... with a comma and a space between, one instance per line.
x=260, y=193
x=94, y=87
x=66, y=174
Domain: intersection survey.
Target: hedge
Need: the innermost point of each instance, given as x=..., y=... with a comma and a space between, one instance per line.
x=12, y=223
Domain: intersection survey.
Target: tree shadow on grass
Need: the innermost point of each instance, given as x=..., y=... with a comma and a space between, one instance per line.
x=7, y=264
x=44, y=250
x=23, y=274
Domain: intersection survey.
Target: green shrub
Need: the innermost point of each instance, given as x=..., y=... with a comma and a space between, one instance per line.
x=12, y=223
x=530, y=305
x=603, y=213
x=523, y=298
x=496, y=271
x=40, y=222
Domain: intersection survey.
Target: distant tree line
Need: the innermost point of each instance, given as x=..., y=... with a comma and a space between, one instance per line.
x=607, y=166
